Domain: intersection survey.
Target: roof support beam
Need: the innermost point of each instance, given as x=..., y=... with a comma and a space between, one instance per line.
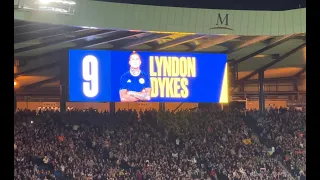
x=272, y=45
x=263, y=68
x=300, y=72
x=270, y=80
x=37, y=84
x=38, y=91
x=36, y=69
x=39, y=29
x=179, y=41
x=44, y=34
x=25, y=25
x=105, y=34
x=60, y=39
x=248, y=43
x=149, y=38
x=116, y=35
x=300, y=36
x=215, y=41
x=277, y=93
x=18, y=22
x=116, y=39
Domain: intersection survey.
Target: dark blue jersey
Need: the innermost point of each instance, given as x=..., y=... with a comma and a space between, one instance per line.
x=135, y=83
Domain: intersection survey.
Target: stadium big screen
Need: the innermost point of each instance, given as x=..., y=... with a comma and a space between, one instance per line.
x=129, y=76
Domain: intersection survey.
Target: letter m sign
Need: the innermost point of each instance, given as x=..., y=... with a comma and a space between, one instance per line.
x=224, y=21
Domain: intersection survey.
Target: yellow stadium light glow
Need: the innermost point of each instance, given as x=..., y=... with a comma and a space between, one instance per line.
x=260, y=56
x=224, y=91
x=174, y=33
x=15, y=83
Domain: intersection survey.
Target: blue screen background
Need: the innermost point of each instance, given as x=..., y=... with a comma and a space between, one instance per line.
x=205, y=87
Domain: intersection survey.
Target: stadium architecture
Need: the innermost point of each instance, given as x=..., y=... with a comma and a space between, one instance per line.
x=265, y=48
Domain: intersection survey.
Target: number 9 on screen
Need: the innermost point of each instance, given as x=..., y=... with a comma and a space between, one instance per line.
x=90, y=75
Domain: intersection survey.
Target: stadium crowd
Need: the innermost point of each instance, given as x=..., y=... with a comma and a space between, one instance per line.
x=197, y=144
x=286, y=132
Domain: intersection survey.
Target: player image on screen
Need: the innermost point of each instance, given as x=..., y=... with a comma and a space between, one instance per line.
x=135, y=84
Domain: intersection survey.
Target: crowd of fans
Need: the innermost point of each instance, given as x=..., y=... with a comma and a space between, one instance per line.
x=286, y=132
x=188, y=144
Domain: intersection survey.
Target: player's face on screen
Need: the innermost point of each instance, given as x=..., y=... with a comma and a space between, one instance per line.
x=135, y=61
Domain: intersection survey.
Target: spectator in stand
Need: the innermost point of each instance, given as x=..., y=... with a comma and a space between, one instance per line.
x=285, y=130
x=201, y=144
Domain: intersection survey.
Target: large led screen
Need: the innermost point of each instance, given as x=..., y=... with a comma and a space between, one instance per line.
x=129, y=76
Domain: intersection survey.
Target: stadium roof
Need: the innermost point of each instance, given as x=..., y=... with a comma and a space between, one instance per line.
x=39, y=49
x=271, y=5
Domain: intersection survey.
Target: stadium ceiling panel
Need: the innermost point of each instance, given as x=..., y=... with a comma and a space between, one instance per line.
x=22, y=35
x=47, y=41
x=33, y=27
x=40, y=47
x=286, y=74
x=215, y=41
x=265, y=67
x=178, y=41
x=39, y=83
x=247, y=43
x=160, y=41
x=18, y=23
x=275, y=42
x=129, y=36
x=151, y=37
x=301, y=72
x=39, y=68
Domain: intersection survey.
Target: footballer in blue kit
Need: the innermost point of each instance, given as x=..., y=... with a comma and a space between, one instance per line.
x=135, y=84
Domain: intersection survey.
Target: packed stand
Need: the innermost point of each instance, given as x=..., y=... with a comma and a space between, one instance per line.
x=144, y=145
x=221, y=141
x=285, y=131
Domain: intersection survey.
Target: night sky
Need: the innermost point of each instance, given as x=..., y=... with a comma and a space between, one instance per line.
x=273, y=5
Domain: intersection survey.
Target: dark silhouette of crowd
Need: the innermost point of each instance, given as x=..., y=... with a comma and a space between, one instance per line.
x=188, y=144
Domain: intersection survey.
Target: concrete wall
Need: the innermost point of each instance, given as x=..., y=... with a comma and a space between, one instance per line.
x=105, y=106
x=36, y=105
x=98, y=106
x=281, y=87
x=302, y=84
x=29, y=105
x=268, y=103
x=173, y=106
x=137, y=106
x=270, y=87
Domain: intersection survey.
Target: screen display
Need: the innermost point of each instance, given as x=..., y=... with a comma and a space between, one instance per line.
x=129, y=76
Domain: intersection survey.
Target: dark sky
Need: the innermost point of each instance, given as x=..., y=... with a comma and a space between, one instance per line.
x=273, y=5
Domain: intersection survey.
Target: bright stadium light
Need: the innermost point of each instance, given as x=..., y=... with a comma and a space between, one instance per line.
x=45, y=1
x=57, y=6
x=66, y=2
x=53, y=9
x=15, y=83
x=56, y=1
x=87, y=27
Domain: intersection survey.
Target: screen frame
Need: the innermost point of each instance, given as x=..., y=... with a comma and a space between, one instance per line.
x=124, y=50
